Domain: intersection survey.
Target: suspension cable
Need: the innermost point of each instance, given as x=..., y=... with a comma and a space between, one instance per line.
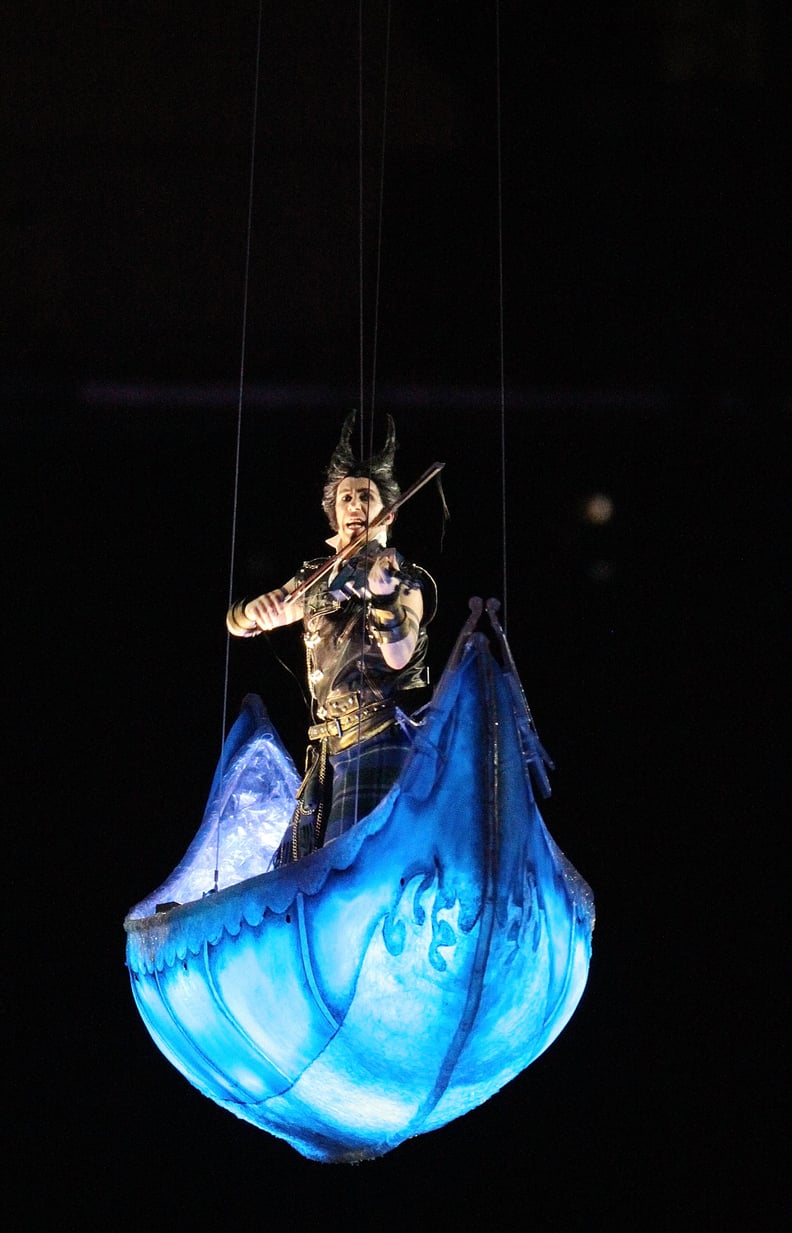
x=380, y=212
x=240, y=396
x=361, y=318
x=367, y=419
x=499, y=145
x=367, y=416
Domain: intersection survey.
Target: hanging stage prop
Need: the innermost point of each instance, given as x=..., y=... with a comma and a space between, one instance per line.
x=396, y=978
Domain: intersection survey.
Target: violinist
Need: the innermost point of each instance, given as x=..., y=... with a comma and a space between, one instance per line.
x=364, y=623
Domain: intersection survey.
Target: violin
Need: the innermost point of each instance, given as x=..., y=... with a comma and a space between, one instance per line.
x=355, y=545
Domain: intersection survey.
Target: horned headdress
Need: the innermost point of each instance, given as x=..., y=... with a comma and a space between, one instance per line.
x=378, y=468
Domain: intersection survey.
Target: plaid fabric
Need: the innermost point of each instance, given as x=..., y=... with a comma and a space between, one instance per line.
x=363, y=775
x=358, y=778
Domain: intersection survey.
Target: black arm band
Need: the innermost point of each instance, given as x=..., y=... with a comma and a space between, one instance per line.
x=387, y=603
x=394, y=630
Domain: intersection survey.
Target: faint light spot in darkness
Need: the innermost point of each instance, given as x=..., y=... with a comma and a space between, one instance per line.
x=600, y=571
x=597, y=509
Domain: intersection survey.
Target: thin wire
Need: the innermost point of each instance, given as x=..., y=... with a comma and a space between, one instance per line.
x=361, y=321
x=243, y=354
x=504, y=522
x=361, y=340
x=368, y=417
x=364, y=418
x=379, y=220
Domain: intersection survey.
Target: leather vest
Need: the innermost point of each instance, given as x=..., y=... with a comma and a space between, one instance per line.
x=343, y=661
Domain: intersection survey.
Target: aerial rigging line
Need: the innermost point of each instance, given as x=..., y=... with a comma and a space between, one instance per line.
x=364, y=419
x=499, y=144
x=361, y=238
x=242, y=357
x=245, y=299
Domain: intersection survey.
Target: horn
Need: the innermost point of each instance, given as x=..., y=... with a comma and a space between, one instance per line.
x=383, y=461
x=343, y=458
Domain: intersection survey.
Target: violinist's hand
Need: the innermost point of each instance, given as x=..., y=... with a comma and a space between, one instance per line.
x=270, y=611
x=384, y=577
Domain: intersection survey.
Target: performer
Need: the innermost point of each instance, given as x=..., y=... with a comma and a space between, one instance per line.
x=366, y=644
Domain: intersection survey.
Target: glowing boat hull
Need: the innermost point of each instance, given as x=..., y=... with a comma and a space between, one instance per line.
x=400, y=976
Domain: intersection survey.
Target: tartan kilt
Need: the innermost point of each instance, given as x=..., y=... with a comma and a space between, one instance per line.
x=343, y=789
x=363, y=775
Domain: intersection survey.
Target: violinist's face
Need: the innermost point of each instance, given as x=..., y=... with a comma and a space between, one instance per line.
x=357, y=503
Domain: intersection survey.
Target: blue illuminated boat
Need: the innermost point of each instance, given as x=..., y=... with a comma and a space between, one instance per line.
x=396, y=978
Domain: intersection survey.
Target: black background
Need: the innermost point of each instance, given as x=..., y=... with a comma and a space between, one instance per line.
x=645, y=328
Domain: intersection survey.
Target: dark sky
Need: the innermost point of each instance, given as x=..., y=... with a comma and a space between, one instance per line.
x=645, y=329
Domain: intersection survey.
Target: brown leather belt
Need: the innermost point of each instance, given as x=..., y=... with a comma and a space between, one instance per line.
x=352, y=719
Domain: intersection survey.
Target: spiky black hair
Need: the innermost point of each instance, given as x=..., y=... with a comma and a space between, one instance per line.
x=378, y=468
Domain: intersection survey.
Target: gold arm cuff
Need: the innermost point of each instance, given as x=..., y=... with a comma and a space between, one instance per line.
x=237, y=621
